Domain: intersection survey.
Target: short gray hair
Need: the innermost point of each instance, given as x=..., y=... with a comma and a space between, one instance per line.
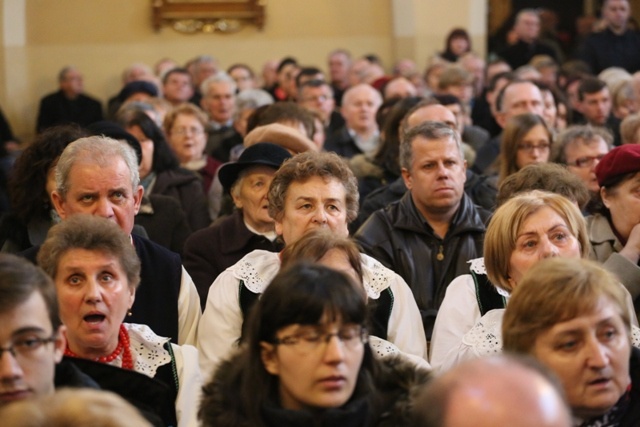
x=250, y=99
x=97, y=149
x=430, y=130
x=583, y=134
x=219, y=77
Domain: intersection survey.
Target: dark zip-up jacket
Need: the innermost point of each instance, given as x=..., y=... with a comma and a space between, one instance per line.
x=400, y=238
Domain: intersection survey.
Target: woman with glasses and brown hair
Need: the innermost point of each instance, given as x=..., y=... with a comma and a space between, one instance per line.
x=305, y=360
x=526, y=140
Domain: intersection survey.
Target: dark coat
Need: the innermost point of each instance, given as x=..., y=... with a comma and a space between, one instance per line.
x=371, y=176
x=208, y=252
x=221, y=141
x=341, y=143
x=57, y=109
x=153, y=397
x=400, y=238
x=632, y=416
x=481, y=190
x=521, y=53
x=487, y=154
x=69, y=375
x=606, y=49
x=387, y=404
x=185, y=187
x=208, y=173
x=164, y=221
x=6, y=134
x=378, y=199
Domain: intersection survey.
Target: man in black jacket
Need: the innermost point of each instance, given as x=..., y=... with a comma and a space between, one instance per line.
x=528, y=44
x=69, y=104
x=428, y=236
x=616, y=45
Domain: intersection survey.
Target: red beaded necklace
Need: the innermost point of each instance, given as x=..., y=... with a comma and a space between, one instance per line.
x=123, y=348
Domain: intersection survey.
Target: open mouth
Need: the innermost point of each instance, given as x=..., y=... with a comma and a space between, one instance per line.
x=94, y=318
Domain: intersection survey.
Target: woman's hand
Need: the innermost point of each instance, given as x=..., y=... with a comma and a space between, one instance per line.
x=631, y=250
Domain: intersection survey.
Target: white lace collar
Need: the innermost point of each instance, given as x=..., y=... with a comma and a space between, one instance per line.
x=477, y=266
x=147, y=349
x=376, y=277
x=258, y=268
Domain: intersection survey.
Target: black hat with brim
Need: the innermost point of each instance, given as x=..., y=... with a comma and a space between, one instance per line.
x=261, y=154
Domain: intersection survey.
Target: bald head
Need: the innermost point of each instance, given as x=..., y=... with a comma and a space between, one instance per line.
x=516, y=98
x=493, y=391
x=359, y=106
x=431, y=113
x=399, y=87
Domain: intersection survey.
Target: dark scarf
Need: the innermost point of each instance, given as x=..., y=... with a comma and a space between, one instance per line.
x=614, y=416
x=355, y=413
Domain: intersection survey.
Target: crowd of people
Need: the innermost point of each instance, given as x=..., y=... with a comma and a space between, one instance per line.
x=356, y=248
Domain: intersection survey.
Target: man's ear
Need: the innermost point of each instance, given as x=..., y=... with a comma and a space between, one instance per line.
x=137, y=198
x=501, y=119
x=406, y=177
x=464, y=168
x=59, y=343
x=59, y=204
x=269, y=358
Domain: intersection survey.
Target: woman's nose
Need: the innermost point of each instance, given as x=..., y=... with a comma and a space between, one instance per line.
x=549, y=249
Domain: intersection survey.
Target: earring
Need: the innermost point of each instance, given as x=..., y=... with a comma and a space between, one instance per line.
x=129, y=313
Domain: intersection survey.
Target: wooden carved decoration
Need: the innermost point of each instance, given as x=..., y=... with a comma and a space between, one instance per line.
x=208, y=16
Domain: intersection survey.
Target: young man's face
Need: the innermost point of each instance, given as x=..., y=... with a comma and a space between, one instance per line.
x=616, y=14
x=28, y=370
x=596, y=107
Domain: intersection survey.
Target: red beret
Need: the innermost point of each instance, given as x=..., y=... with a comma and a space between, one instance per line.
x=619, y=161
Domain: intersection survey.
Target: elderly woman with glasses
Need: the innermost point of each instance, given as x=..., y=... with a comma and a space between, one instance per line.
x=305, y=360
x=96, y=272
x=186, y=130
x=572, y=316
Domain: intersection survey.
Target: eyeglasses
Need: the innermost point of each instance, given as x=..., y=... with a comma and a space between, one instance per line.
x=186, y=131
x=586, y=162
x=528, y=148
x=26, y=348
x=319, y=98
x=310, y=340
